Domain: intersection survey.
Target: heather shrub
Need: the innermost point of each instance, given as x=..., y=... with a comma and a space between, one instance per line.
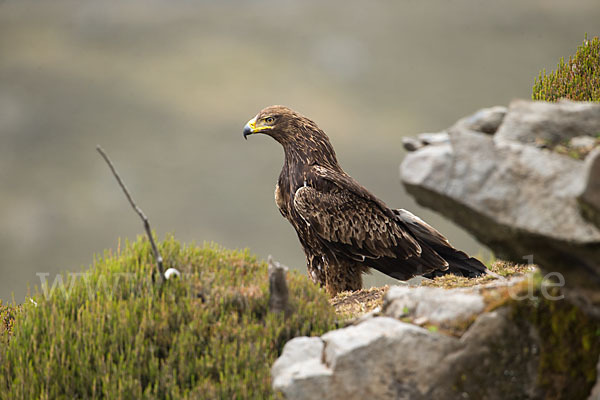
x=109, y=332
x=578, y=79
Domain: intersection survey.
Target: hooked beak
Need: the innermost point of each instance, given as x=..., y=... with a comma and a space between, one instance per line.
x=250, y=128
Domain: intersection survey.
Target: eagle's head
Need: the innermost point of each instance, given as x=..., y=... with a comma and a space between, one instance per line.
x=301, y=138
x=282, y=124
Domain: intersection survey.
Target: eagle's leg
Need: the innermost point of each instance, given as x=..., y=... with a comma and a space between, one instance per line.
x=316, y=269
x=342, y=276
x=335, y=275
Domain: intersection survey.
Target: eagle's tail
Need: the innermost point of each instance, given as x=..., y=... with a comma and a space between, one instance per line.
x=459, y=262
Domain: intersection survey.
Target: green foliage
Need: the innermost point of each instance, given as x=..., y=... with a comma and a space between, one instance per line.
x=579, y=79
x=570, y=345
x=111, y=333
x=7, y=320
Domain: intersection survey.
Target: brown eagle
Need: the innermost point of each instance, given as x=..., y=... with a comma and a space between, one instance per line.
x=343, y=228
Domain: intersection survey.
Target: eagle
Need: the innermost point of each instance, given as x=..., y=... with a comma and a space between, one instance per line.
x=343, y=228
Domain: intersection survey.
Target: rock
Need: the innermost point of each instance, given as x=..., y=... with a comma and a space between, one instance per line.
x=499, y=352
x=299, y=372
x=430, y=160
x=432, y=305
x=589, y=199
x=365, y=361
x=424, y=139
x=497, y=355
x=378, y=348
x=553, y=123
x=434, y=138
x=487, y=120
x=518, y=199
x=411, y=144
x=582, y=142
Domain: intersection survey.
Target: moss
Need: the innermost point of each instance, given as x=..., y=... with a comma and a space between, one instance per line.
x=578, y=79
x=570, y=345
x=566, y=344
x=113, y=334
x=432, y=328
x=567, y=149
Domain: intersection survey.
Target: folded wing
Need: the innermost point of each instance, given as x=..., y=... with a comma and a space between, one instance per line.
x=352, y=223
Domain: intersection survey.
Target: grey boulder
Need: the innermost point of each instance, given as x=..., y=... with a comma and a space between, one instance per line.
x=518, y=198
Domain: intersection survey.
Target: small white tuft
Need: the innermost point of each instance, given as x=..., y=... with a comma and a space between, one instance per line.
x=172, y=272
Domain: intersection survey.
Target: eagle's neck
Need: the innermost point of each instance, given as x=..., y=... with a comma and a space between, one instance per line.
x=302, y=155
x=309, y=147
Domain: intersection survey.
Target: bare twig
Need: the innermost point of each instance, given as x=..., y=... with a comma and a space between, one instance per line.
x=157, y=256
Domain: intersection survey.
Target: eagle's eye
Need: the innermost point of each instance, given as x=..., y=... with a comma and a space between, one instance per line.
x=269, y=120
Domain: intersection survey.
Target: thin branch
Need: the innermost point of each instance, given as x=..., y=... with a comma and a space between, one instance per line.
x=157, y=256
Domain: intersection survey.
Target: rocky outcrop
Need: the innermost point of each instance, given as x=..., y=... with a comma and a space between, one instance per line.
x=498, y=176
x=433, y=305
x=539, y=122
x=589, y=200
x=488, y=342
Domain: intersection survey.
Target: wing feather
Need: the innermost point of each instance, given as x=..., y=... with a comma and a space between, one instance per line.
x=353, y=223
x=358, y=225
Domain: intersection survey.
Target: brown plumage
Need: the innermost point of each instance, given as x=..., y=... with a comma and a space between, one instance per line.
x=343, y=228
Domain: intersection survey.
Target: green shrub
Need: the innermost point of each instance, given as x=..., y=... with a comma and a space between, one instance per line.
x=111, y=333
x=7, y=320
x=579, y=79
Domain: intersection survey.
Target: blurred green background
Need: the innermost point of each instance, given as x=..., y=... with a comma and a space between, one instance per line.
x=166, y=87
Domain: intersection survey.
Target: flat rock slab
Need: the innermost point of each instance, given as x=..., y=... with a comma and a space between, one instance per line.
x=432, y=305
x=553, y=123
x=589, y=200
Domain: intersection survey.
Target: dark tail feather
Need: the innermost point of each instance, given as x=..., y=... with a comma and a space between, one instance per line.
x=459, y=263
x=429, y=263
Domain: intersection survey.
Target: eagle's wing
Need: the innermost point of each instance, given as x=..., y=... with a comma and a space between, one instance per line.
x=354, y=223
x=460, y=263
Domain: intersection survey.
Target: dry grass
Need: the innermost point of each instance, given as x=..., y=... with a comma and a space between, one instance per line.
x=503, y=268
x=354, y=304
x=350, y=305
